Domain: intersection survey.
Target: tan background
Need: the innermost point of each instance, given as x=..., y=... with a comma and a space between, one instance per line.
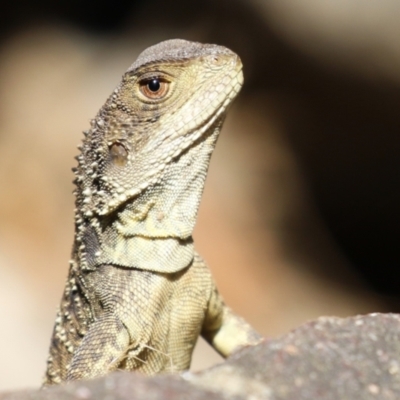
x=272, y=254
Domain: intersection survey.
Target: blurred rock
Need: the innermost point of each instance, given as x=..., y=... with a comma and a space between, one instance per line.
x=327, y=359
x=358, y=36
x=122, y=386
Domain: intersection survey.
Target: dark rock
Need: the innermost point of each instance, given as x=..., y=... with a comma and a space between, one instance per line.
x=355, y=358
x=121, y=386
x=330, y=359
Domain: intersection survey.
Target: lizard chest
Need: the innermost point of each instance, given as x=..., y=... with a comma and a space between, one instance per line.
x=163, y=313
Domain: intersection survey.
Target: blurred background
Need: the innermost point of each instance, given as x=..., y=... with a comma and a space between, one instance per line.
x=300, y=213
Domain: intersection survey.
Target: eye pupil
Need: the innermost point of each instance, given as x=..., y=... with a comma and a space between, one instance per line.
x=154, y=88
x=154, y=85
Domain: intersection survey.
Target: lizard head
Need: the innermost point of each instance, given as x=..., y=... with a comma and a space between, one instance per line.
x=174, y=94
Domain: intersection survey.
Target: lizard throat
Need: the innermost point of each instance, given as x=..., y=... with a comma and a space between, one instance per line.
x=158, y=224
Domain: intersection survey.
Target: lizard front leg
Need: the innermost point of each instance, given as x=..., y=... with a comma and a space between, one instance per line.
x=106, y=341
x=224, y=330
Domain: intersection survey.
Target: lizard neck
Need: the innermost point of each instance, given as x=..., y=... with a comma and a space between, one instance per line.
x=168, y=209
x=154, y=230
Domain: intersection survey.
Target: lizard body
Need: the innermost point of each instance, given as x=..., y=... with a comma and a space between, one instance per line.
x=137, y=294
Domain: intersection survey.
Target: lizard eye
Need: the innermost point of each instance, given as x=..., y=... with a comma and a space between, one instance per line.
x=154, y=88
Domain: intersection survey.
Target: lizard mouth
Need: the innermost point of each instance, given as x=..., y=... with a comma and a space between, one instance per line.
x=218, y=108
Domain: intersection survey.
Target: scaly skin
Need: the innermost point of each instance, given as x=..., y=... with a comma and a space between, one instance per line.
x=138, y=295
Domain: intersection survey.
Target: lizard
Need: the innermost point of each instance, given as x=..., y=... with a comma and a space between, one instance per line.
x=137, y=294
